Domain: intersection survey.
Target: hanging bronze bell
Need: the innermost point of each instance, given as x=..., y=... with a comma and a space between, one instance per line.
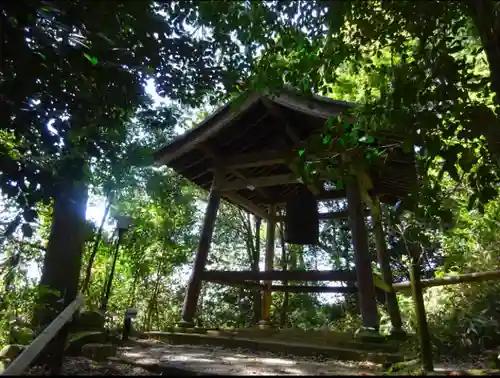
x=301, y=218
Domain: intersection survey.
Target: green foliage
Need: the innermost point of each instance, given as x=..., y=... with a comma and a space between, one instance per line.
x=417, y=70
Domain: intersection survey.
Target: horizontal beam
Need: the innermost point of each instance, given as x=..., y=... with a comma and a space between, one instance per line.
x=451, y=280
x=325, y=195
x=246, y=285
x=291, y=288
x=278, y=275
x=246, y=204
x=257, y=159
x=314, y=289
x=259, y=182
x=330, y=215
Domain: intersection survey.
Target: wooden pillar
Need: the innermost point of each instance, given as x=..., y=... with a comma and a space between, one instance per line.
x=194, y=285
x=284, y=268
x=270, y=236
x=255, y=267
x=366, y=290
x=391, y=300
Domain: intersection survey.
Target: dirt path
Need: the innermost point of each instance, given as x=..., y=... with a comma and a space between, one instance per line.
x=222, y=361
x=152, y=357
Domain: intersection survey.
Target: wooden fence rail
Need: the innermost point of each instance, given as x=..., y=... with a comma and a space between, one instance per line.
x=23, y=361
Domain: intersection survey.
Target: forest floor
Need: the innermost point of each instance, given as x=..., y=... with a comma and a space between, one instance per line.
x=151, y=357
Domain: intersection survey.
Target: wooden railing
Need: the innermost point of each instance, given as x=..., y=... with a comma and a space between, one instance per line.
x=23, y=361
x=442, y=281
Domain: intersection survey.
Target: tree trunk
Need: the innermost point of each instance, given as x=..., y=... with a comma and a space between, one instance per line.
x=105, y=300
x=391, y=301
x=95, y=248
x=485, y=14
x=366, y=293
x=154, y=297
x=134, y=289
x=292, y=251
x=61, y=269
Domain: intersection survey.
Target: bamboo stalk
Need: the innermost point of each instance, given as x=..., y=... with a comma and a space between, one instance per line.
x=33, y=350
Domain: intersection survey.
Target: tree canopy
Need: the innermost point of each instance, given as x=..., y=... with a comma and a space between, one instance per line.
x=76, y=126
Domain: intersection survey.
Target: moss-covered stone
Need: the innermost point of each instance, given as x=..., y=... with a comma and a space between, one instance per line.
x=77, y=340
x=89, y=321
x=185, y=324
x=397, y=334
x=99, y=352
x=11, y=351
x=368, y=334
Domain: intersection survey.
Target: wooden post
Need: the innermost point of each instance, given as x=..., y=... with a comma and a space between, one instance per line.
x=391, y=300
x=194, y=285
x=284, y=268
x=418, y=298
x=270, y=236
x=367, y=300
x=255, y=267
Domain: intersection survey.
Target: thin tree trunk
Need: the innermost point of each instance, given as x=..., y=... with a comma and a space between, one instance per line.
x=134, y=289
x=104, y=304
x=95, y=248
x=418, y=299
x=152, y=301
x=11, y=228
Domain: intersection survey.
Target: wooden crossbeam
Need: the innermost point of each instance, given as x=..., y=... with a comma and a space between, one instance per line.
x=278, y=275
x=247, y=204
x=259, y=182
x=257, y=159
x=282, y=179
x=329, y=215
x=266, y=158
x=293, y=288
x=325, y=195
x=314, y=289
x=245, y=284
x=451, y=280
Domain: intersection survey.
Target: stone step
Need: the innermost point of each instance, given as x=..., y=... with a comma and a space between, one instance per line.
x=279, y=346
x=328, y=338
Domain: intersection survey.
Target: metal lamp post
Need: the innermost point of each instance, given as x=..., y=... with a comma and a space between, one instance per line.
x=123, y=224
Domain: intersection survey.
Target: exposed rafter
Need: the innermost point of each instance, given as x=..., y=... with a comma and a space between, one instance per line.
x=279, y=116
